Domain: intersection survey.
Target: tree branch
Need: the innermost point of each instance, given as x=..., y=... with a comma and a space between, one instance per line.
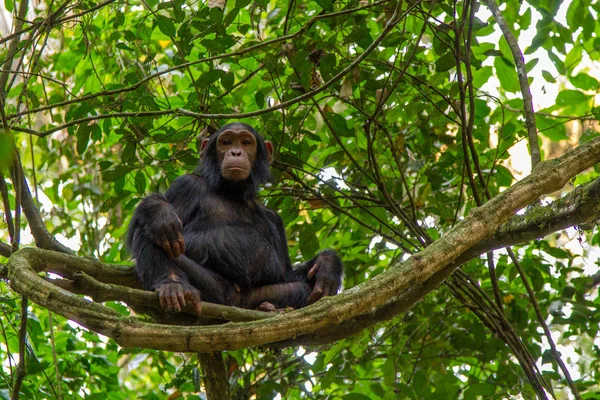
x=102, y=292
x=523, y=81
x=43, y=238
x=419, y=273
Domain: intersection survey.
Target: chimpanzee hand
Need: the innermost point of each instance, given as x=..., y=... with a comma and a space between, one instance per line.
x=165, y=229
x=175, y=295
x=327, y=271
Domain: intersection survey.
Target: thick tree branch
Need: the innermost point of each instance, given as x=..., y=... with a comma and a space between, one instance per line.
x=43, y=238
x=215, y=375
x=102, y=292
x=5, y=250
x=432, y=263
x=578, y=207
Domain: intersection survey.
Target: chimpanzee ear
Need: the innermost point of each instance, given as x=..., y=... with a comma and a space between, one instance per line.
x=269, y=147
x=204, y=144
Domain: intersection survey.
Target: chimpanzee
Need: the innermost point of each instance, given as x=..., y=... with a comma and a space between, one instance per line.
x=209, y=238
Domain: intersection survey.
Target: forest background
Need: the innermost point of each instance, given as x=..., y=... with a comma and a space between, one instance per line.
x=447, y=150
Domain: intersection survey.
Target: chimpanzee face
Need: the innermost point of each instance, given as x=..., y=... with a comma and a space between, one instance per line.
x=236, y=151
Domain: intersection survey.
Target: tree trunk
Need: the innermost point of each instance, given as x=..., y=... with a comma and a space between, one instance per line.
x=216, y=383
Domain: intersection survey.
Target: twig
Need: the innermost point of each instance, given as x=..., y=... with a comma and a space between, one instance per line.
x=241, y=52
x=22, y=354
x=542, y=321
x=13, y=48
x=523, y=81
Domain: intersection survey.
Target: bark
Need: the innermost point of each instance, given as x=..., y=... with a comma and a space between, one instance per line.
x=419, y=275
x=216, y=383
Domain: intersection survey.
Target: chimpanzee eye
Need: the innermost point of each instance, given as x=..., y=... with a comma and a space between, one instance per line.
x=226, y=141
x=247, y=142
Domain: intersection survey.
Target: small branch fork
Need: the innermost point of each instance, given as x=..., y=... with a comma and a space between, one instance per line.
x=410, y=280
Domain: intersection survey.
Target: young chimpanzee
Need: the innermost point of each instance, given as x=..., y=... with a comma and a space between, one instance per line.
x=208, y=238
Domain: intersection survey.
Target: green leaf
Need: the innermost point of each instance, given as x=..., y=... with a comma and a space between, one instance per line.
x=550, y=128
x=116, y=173
x=547, y=357
x=571, y=98
x=339, y=125
x=259, y=97
x=166, y=25
x=327, y=5
x=6, y=146
x=584, y=82
x=308, y=242
x=209, y=77
x=327, y=66
x=140, y=183
x=481, y=76
x=242, y=3
x=119, y=19
x=10, y=5
x=548, y=76
x=83, y=138
x=356, y=396
x=230, y=17
x=507, y=75
x=128, y=153
x=445, y=63
x=228, y=80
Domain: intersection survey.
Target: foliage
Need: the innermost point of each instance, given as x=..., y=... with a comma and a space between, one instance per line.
x=381, y=147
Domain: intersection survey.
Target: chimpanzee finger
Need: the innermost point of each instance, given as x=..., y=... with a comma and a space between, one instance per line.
x=316, y=294
x=168, y=303
x=162, y=300
x=194, y=298
x=173, y=233
x=266, y=306
x=181, y=298
x=175, y=248
x=181, y=242
x=166, y=245
x=313, y=271
x=329, y=290
x=175, y=301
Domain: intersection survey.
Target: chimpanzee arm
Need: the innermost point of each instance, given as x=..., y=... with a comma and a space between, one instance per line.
x=155, y=239
x=323, y=273
x=157, y=221
x=161, y=218
x=157, y=271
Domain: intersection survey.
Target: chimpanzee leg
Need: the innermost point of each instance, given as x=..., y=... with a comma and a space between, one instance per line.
x=307, y=283
x=281, y=295
x=157, y=271
x=213, y=288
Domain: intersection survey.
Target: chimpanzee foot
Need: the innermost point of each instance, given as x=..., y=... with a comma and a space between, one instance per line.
x=266, y=306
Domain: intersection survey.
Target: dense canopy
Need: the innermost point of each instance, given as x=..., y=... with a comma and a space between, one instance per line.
x=448, y=151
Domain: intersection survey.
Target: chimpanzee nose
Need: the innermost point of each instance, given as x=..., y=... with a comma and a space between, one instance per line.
x=236, y=152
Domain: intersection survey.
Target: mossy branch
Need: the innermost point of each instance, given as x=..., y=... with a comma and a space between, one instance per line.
x=408, y=281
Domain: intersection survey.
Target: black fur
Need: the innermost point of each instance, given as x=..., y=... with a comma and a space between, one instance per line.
x=232, y=242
